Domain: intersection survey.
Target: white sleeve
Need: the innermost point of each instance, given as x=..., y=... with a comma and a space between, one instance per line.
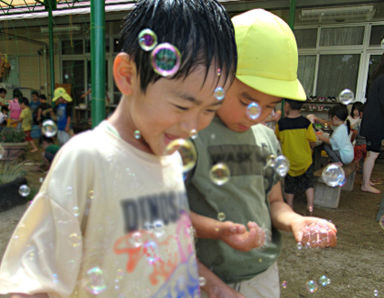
x=45, y=250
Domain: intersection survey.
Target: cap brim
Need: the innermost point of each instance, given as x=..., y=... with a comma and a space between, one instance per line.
x=284, y=89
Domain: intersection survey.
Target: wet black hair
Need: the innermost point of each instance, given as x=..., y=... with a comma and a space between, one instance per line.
x=25, y=101
x=294, y=104
x=17, y=93
x=200, y=29
x=357, y=106
x=42, y=96
x=3, y=90
x=341, y=112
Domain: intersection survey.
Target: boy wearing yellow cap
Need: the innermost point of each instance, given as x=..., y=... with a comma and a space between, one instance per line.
x=250, y=206
x=62, y=113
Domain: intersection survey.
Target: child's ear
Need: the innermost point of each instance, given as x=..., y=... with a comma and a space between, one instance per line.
x=124, y=73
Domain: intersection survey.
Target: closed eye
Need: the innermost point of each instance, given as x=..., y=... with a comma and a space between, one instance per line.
x=182, y=108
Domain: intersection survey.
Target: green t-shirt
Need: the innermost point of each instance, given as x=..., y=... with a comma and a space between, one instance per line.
x=52, y=148
x=242, y=199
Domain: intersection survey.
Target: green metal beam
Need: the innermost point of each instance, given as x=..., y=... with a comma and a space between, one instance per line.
x=97, y=61
x=51, y=4
x=291, y=23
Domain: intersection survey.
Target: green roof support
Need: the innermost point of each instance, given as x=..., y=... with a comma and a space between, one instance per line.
x=51, y=5
x=291, y=23
x=97, y=61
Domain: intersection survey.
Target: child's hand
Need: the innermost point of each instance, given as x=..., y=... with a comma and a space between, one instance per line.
x=314, y=232
x=238, y=237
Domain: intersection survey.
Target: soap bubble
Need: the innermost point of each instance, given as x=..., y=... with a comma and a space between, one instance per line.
x=202, y=281
x=193, y=134
x=220, y=174
x=333, y=175
x=324, y=281
x=147, y=39
x=221, y=216
x=382, y=43
x=136, y=239
x=24, y=190
x=158, y=228
x=219, y=93
x=299, y=246
x=311, y=286
x=75, y=239
x=165, y=59
x=376, y=293
x=253, y=110
x=49, y=128
x=346, y=97
x=137, y=134
x=316, y=234
x=186, y=150
x=94, y=282
x=284, y=284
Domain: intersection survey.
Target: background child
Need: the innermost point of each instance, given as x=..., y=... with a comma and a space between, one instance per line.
x=3, y=116
x=252, y=197
x=297, y=137
x=338, y=147
x=3, y=94
x=14, y=108
x=26, y=122
x=111, y=218
x=44, y=111
x=63, y=114
x=49, y=151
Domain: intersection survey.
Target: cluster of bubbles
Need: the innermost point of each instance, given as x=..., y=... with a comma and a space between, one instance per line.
x=346, y=97
x=165, y=57
x=49, y=128
x=315, y=235
x=24, y=190
x=333, y=175
x=220, y=174
x=279, y=163
x=137, y=134
x=312, y=285
x=253, y=110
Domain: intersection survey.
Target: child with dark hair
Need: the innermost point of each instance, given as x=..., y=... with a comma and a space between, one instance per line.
x=4, y=116
x=14, y=107
x=49, y=150
x=356, y=113
x=338, y=147
x=44, y=111
x=297, y=137
x=112, y=217
x=35, y=101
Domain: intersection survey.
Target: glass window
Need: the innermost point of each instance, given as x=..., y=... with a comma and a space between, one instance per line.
x=73, y=73
x=343, y=36
x=377, y=35
x=306, y=72
x=69, y=47
x=337, y=72
x=306, y=38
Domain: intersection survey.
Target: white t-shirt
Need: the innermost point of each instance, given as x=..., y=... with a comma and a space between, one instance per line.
x=109, y=220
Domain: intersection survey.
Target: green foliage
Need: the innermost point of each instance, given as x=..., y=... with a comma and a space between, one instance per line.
x=11, y=170
x=12, y=135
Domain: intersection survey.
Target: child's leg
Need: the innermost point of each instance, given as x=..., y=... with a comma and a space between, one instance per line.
x=290, y=185
x=310, y=194
x=333, y=155
x=29, y=139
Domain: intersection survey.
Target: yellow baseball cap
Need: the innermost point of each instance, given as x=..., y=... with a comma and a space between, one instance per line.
x=267, y=54
x=60, y=92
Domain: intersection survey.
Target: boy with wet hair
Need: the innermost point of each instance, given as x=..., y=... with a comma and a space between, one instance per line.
x=111, y=218
x=228, y=217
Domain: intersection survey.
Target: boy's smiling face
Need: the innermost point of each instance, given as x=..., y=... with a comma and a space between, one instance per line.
x=169, y=109
x=234, y=110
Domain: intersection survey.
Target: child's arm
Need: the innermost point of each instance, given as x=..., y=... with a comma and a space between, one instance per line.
x=323, y=138
x=68, y=125
x=284, y=218
x=214, y=286
x=235, y=235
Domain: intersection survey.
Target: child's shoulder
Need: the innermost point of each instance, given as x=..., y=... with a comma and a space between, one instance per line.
x=293, y=123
